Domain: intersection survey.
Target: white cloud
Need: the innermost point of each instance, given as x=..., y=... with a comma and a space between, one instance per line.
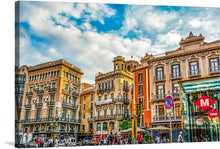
x=171, y=38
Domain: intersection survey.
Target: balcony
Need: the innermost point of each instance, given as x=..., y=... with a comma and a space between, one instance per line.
x=125, y=101
x=194, y=73
x=158, y=97
x=90, y=119
x=119, y=116
x=177, y=75
x=164, y=118
x=68, y=105
x=103, y=102
x=75, y=121
x=29, y=94
x=28, y=106
x=101, y=91
x=159, y=78
x=104, y=117
x=40, y=92
x=66, y=91
x=38, y=105
x=51, y=104
x=125, y=88
x=214, y=70
x=75, y=94
x=175, y=95
x=52, y=90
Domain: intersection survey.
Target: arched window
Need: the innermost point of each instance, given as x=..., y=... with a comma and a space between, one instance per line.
x=105, y=126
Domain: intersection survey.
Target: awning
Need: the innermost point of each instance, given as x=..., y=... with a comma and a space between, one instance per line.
x=130, y=129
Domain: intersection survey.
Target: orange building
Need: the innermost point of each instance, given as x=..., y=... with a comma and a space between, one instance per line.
x=142, y=92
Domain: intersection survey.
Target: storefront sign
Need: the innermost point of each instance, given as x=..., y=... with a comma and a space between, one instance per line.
x=213, y=113
x=204, y=102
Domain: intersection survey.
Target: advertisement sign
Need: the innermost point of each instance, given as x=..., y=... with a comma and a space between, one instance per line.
x=213, y=113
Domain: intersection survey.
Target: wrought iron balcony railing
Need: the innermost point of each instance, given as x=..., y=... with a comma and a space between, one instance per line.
x=158, y=97
x=159, y=78
x=40, y=92
x=163, y=118
x=66, y=91
x=175, y=95
x=28, y=94
x=52, y=90
x=28, y=106
x=51, y=103
x=214, y=70
x=125, y=88
x=75, y=94
x=194, y=73
x=68, y=105
x=177, y=75
x=38, y=105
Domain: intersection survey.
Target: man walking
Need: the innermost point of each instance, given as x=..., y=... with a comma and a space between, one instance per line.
x=111, y=138
x=42, y=141
x=180, y=137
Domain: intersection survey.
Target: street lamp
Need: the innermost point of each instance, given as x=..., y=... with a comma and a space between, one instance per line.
x=55, y=122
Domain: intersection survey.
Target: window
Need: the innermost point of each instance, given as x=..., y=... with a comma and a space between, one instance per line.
x=38, y=114
x=125, y=112
x=106, y=85
x=112, y=96
x=64, y=112
x=91, y=97
x=99, y=86
x=83, y=127
x=140, y=89
x=83, y=116
x=140, y=77
x=99, y=99
x=175, y=71
x=214, y=65
x=105, y=112
x=105, y=97
x=159, y=73
x=52, y=97
x=112, y=112
x=102, y=86
x=29, y=101
x=73, y=114
x=112, y=84
x=98, y=113
x=31, y=89
x=66, y=86
x=50, y=113
x=116, y=66
x=178, y=109
x=98, y=128
x=84, y=106
x=40, y=99
x=175, y=88
x=161, y=109
x=194, y=68
x=27, y=115
x=84, y=97
x=105, y=126
x=160, y=92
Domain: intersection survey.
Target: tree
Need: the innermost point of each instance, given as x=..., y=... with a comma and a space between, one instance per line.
x=125, y=124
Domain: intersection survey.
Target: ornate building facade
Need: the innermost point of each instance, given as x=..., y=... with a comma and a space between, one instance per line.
x=193, y=60
x=50, y=104
x=21, y=76
x=113, y=99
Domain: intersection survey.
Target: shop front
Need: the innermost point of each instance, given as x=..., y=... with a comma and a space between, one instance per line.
x=201, y=107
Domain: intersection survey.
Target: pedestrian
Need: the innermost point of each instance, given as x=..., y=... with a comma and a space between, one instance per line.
x=50, y=142
x=37, y=143
x=56, y=142
x=129, y=138
x=180, y=137
x=116, y=139
x=42, y=141
x=140, y=138
x=105, y=141
x=67, y=141
x=111, y=138
x=207, y=139
x=158, y=139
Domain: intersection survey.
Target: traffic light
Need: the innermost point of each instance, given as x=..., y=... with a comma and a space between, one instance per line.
x=139, y=109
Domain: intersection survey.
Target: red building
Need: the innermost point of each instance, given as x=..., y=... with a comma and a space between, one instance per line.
x=142, y=92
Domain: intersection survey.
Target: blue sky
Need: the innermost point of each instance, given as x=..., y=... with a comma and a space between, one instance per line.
x=91, y=35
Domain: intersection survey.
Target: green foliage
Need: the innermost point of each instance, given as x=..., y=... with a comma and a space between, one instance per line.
x=125, y=124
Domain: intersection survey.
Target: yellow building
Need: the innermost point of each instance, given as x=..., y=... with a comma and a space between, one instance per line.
x=87, y=101
x=50, y=105
x=113, y=98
